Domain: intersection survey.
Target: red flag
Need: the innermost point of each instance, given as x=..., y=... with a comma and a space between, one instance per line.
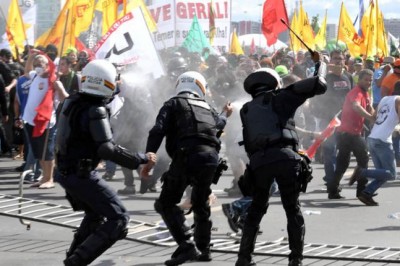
x=45, y=108
x=335, y=122
x=273, y=12
x=80, y=45
x=252, y=47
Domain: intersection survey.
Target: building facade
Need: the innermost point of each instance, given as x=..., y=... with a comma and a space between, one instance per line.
x=393, y=26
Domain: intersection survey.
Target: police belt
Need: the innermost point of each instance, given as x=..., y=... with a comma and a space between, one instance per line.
x=83, y=167
x=199, y=148
x=66, y=172
x=280, y=146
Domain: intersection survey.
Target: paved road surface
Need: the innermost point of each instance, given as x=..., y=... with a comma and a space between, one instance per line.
x=340, y=222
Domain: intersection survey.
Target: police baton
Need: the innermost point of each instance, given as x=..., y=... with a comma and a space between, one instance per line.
x=297, y=36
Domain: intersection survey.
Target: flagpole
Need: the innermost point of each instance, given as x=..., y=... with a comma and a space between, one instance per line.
x=175, y=23
x=376, y=27
x=63, y=37
x=58, y=68
x=340, y=19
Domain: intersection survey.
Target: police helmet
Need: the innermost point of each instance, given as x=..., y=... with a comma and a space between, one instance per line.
x=99, y=79
x=176, y=66
x=192, y=82
x=263, y=79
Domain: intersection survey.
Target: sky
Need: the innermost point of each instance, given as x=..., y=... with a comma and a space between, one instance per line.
x=252, y=9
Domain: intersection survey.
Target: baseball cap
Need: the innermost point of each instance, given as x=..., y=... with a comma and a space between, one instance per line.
x=281, y=70
x=358, y=60
x=370, y=58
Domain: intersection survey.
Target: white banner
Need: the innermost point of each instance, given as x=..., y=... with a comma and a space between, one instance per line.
x=129, y=41
x=174, y=18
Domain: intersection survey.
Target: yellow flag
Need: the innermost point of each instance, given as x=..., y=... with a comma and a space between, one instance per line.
x=295, y=25
x=41, y=40
x=348, y=34
x=369, y=29
x=381, y=34
x=382, y=42
x=151, y=24
x=320, y=38
x=109, y=9
x=306, y=33
x=82, y=13
x=15, y=29
x=56, y=35
x=235, y=45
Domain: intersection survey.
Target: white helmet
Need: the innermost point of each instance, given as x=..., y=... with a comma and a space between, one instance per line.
x=192, y=82
x=99, y=79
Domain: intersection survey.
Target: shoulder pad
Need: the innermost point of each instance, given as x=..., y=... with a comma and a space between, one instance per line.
x=97, y=112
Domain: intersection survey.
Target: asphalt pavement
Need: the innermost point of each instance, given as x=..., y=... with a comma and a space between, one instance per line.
x=331, y=224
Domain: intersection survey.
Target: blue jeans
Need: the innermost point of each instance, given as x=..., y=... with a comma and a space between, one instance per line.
x=329, y=152
x=111, y=167
x=396, y=146
x=383, y=157
x=31, y=162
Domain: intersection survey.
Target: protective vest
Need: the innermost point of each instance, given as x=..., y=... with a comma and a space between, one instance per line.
x=263, y=127
x=74, y=141
x=195, y=121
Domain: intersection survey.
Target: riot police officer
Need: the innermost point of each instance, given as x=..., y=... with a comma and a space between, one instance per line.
x=84, y=138
x=271, y=142
x=190, y=126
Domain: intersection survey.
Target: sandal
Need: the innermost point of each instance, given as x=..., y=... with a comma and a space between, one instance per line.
x=47, y=185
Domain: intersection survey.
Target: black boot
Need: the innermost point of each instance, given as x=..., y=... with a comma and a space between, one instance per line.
x=247, y=246
x=205, y=255
x=75, y=243
x=184, y=252
x=74, y=260
x=296, y=245
x=202, y=238
x=296, y=262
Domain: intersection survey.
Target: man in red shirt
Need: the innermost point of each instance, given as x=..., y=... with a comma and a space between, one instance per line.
x=356, y=108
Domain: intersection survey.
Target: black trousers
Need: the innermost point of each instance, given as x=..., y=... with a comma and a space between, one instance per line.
x=347, y=144
x=286, y=175
x=105, y=219
x=196, y=170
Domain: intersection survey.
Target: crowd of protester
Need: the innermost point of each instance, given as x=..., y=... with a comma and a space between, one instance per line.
x=224, y=73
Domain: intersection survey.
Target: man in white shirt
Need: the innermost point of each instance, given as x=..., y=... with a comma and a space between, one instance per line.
x=43, y=145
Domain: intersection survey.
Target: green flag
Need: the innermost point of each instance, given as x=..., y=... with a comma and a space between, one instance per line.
x=196, y=40
x=393, y=45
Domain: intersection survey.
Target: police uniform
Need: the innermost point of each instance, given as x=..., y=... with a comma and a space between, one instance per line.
x=190, y=127
x=271, y=143
x=84, y=138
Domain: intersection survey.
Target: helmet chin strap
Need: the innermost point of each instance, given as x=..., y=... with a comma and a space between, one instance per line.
x=262, y=89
